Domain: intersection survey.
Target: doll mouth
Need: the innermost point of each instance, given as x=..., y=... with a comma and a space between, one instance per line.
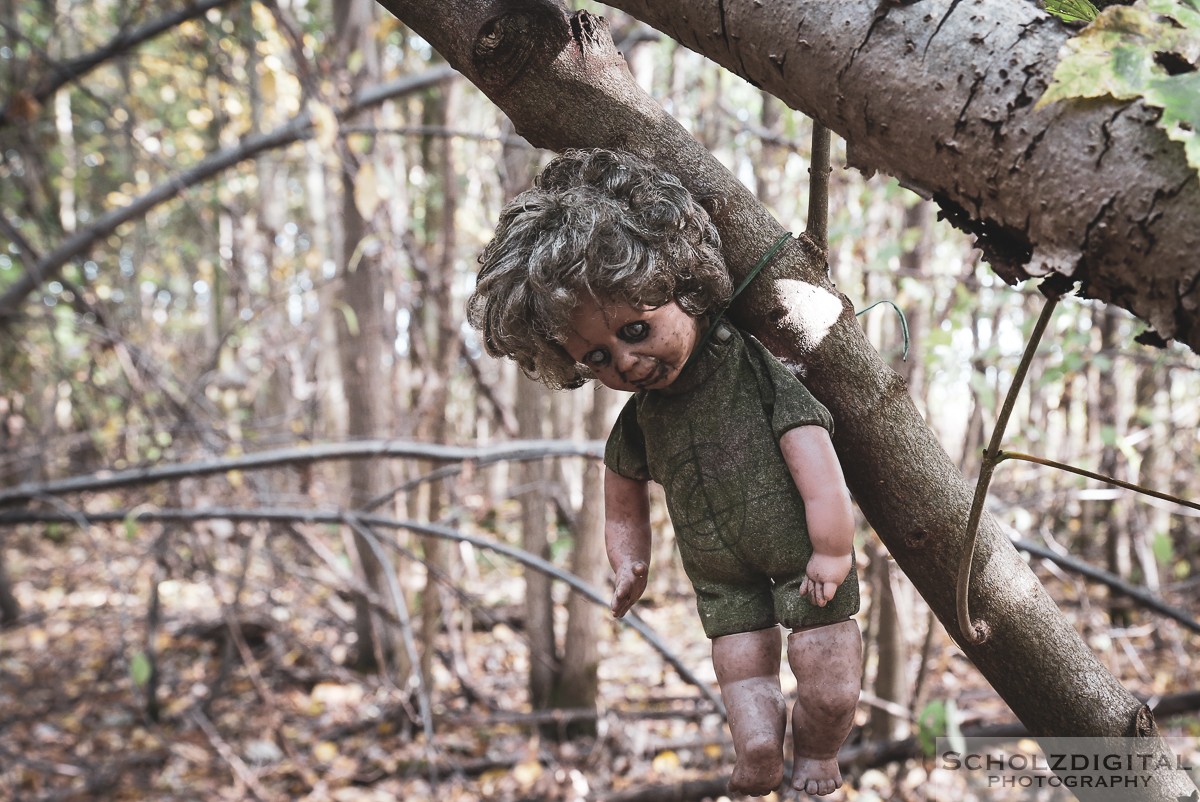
x=655, y=376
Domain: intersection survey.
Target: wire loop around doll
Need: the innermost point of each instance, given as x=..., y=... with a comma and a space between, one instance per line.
x=754, y=271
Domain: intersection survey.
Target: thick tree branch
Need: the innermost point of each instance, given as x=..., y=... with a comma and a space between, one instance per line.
x=941, y=95
x=41, y=270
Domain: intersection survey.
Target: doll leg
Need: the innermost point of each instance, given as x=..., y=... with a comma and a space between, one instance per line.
x=827, y=661
x=747, y=666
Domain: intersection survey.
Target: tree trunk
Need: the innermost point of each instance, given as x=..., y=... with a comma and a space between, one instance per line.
x=578, y=682
x=563, y=84
x=539, y=606
x=440, y=325
x=1118, y=206
x=1109, y=514
x=891, y=652
x=10, y=608
x=361, y=347
x=913, y=267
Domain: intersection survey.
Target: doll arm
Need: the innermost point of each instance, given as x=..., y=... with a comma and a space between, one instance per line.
x=627, y=537
x=814, y=465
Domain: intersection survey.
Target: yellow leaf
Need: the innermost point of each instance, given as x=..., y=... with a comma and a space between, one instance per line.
x=325, y=125
x=325, y=751
x=666, y=762
x=38, y=639
x=333, y=694
x=366, y=190
x=527, y=773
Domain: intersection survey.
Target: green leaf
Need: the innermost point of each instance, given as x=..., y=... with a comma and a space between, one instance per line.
x=1185, y=12
x=1114, y=56
x=139, y=669
x=1108, y=435
x=1179, y=98
x=931, y=725
x=1122, y=55
x=1162, y=547
x=1072, y=10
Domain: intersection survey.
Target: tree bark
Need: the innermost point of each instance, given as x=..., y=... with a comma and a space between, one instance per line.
x=563, y=84
x=941, y=94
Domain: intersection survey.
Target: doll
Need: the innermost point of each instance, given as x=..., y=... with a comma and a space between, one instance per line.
x=609, y=269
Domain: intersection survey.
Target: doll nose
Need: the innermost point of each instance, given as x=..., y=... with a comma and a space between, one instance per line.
x=624, y=360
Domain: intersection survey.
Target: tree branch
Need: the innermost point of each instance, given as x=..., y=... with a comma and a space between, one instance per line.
x=941, y=95
x=300, y=127
x=873, y=754
x=516, y=450
x=1140, y=595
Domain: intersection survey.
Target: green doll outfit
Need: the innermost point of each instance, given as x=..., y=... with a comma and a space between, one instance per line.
x=711, y=439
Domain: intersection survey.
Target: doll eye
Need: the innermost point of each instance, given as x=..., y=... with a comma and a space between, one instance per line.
x=596, y=359
x=635, y=331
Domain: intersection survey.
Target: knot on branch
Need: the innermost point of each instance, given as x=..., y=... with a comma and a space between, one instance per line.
x=1144, y=725
x=979, y=632
x=521, y=35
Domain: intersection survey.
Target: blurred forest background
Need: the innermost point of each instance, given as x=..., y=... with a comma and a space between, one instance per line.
x=233, y=228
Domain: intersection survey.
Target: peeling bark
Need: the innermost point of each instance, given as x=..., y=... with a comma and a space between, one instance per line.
x=581, y=95
x=941, y=95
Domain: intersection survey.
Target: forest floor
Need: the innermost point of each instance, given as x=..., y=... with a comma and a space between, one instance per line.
x=276, y=714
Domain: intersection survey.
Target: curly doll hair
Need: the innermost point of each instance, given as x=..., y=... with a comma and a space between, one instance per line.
x=597, y=224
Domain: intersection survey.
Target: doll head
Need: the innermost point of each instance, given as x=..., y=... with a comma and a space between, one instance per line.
x=599, y=226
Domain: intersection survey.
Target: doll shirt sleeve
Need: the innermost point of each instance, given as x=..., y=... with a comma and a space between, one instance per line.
x=790, y=402
x=625, y=452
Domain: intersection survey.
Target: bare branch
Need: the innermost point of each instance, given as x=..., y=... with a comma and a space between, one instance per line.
x=1140, y=595
x=516, y=450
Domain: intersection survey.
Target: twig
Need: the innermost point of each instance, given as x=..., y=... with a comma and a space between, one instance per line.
x=298, y=128
x=873, y=754
x=817, y=227
x=126, y=40
x=240, y=769
x=406, y=632
x=965, y=625
x=1062, y=466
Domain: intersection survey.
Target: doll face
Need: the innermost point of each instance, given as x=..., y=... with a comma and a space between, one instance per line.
x=629, y=347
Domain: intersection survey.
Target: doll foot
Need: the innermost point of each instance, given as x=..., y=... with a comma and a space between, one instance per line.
x=759, y=769
x=816, y=777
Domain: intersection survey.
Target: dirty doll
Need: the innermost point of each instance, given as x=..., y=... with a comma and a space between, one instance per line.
x=609, y=269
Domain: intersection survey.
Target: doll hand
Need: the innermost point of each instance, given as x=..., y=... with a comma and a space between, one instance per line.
x=630, y=585
x=824, y=574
